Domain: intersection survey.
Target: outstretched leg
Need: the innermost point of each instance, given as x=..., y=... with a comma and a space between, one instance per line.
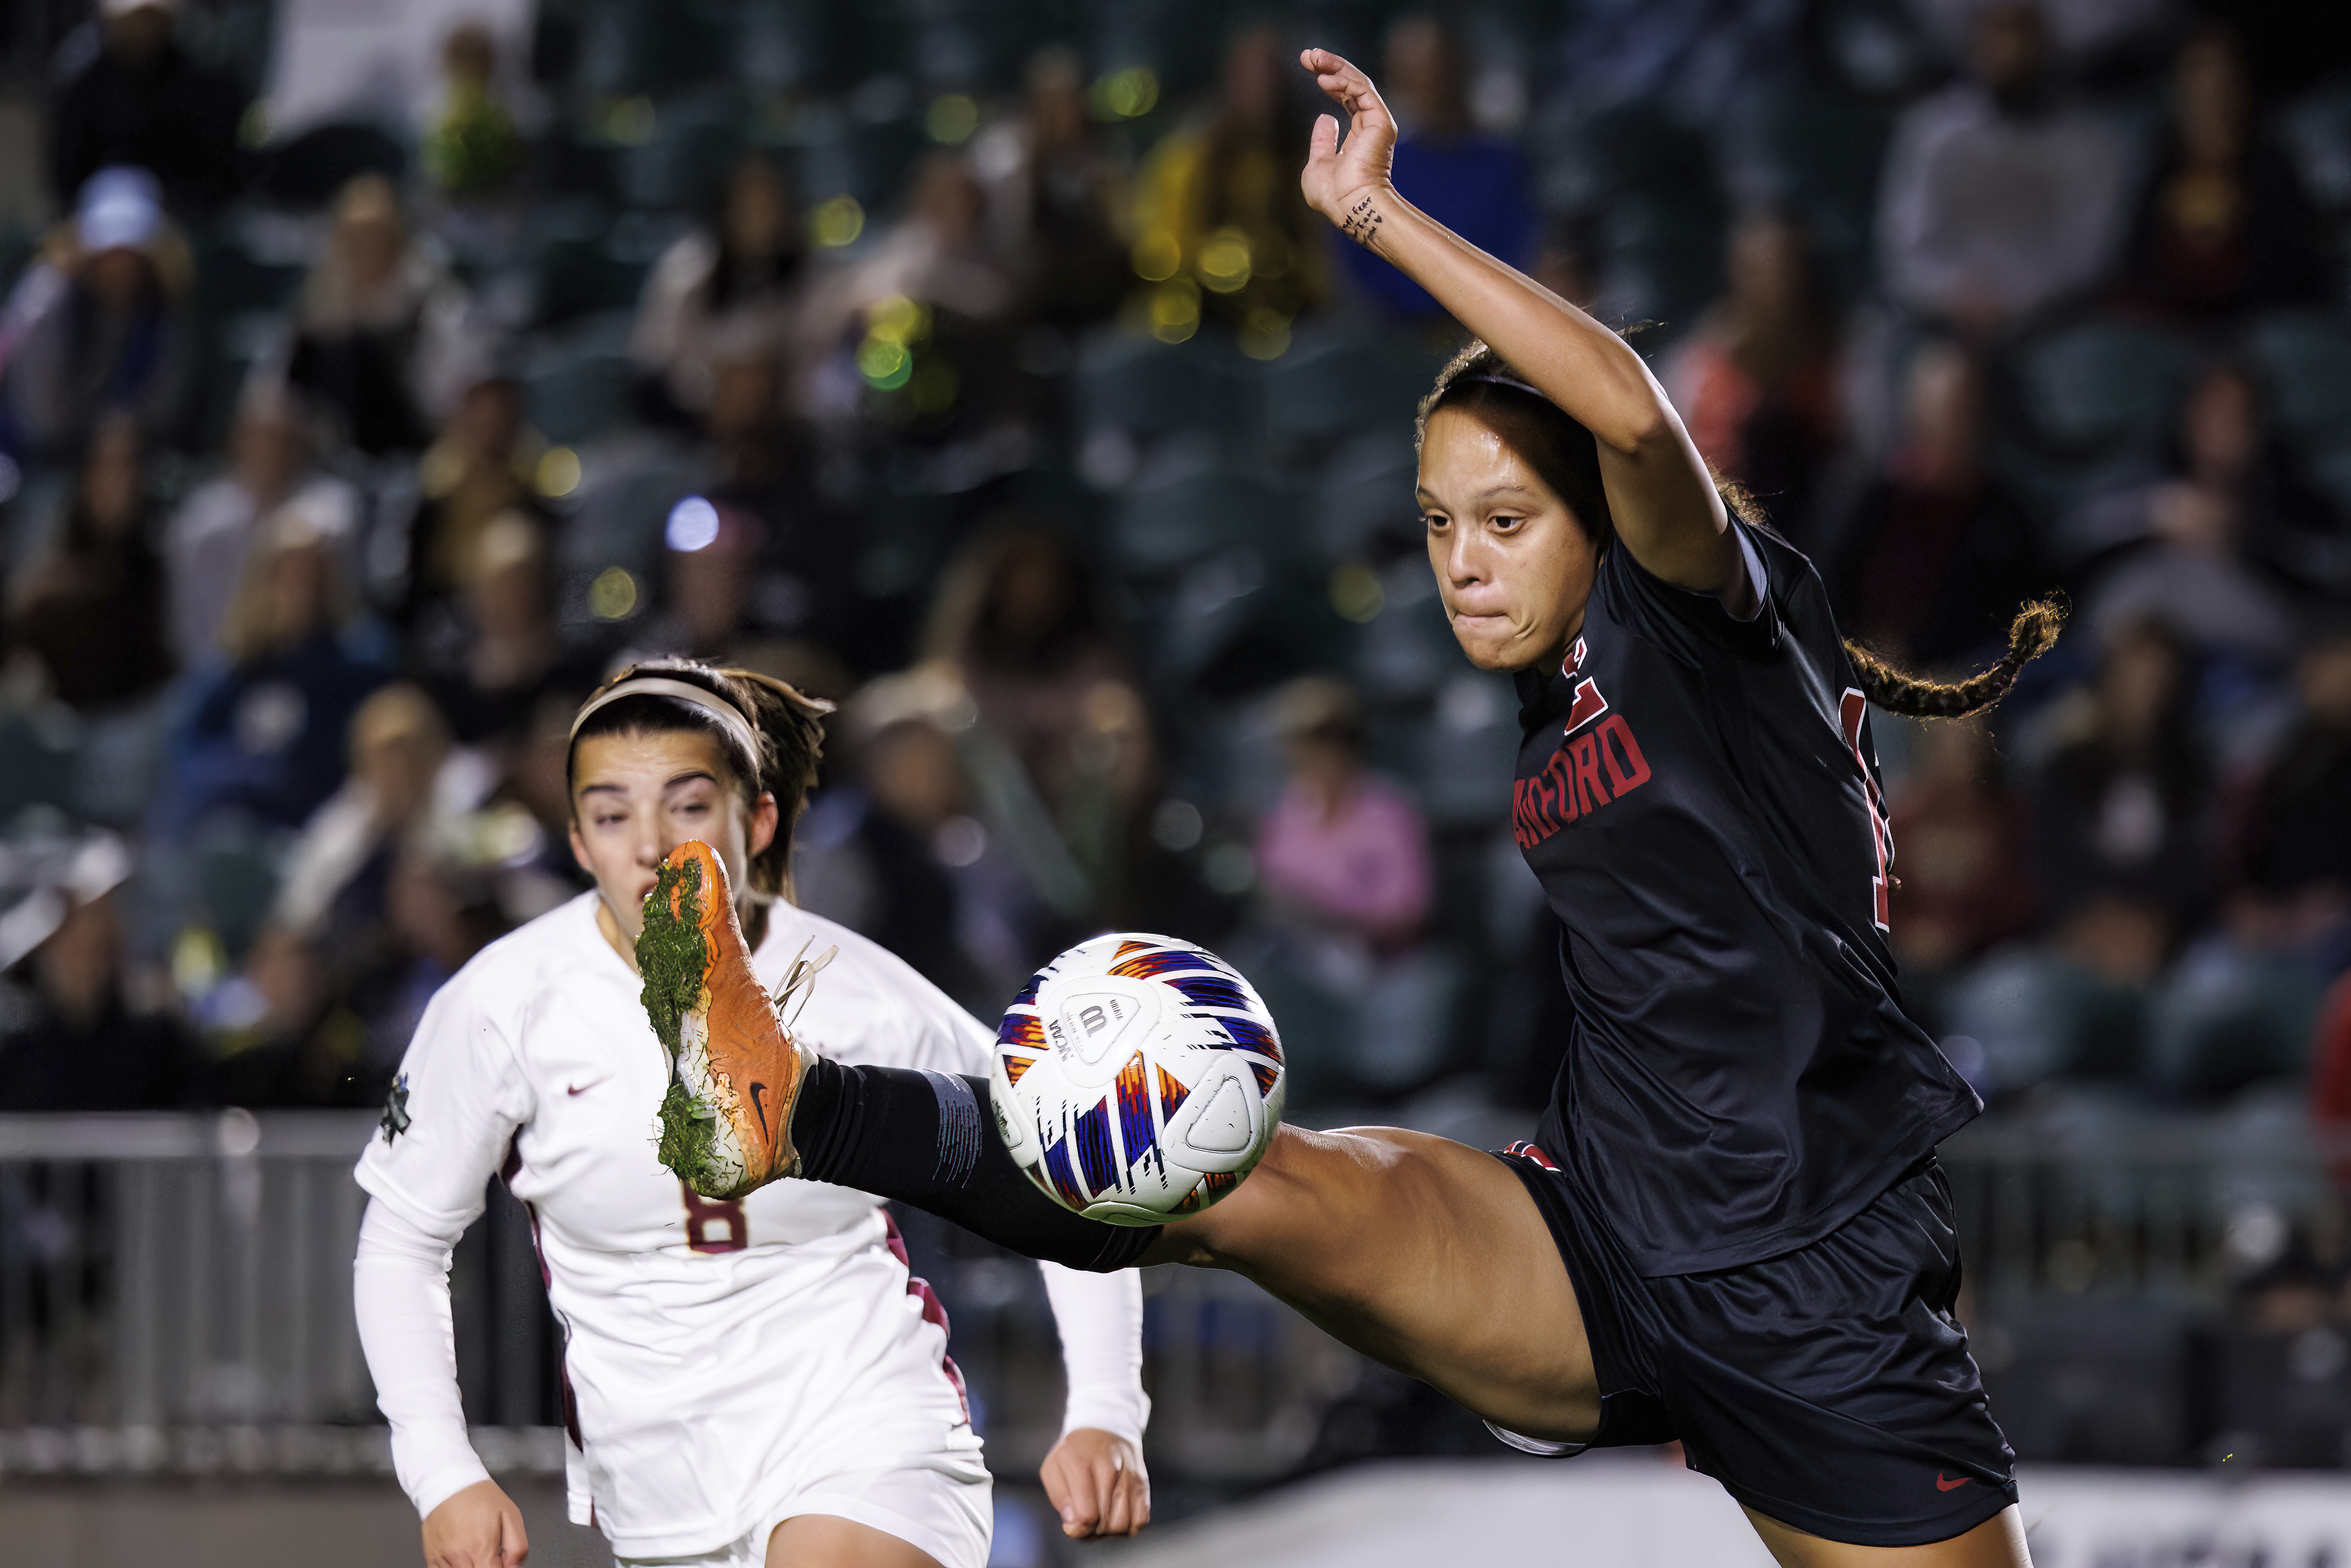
x=1997, y=1543
x=1423, y=1254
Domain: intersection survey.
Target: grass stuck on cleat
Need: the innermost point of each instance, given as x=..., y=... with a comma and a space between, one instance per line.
x=726, y=1120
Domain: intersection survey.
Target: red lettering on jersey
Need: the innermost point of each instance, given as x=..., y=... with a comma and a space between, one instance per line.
x=713, y=1225
x=1590, y=793
x=1588, y=705
x=1571, y=784
x=1634, y=770
x=1852, y=708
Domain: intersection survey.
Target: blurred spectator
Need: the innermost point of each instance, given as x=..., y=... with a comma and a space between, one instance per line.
x=1060, y=758
x=1054, y=197
x=439, y=911
x=2120, y=806
x=483, y=465
x=2224, y=226
x=490, y=664
x=378, y=324
x=403, y=772
x=493, y=661
x=2077, y=1006
x=730, y=290
x=893, y=846
x=204, y=542
x=70, y=1040
x=2330, y=1079
x=472, y=148
x=2193, y=573
x=1937, y=555
x=263, y=738
x=2293, y=822
x=1344, y=879
x=281, y=1037
x=94, y=327
x=1476, y=186
x=758, y=555
x=710, y=554
x=1342, y=849
x=1757, y=382
x=935, y=256
x=94, y=612
x=143, y=102
x=531, y=764
x=938, y=365
x=1998, y=196
x=1218, y=206
x=1964, y=837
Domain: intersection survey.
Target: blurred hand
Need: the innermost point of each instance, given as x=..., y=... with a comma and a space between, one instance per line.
x=1338, y=179
x=1096, y=1482
x=478, y=1528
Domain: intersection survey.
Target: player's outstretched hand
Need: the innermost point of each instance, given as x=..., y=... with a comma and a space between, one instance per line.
x=476, y=1528
x=1339, y=177
x=1096, y=1481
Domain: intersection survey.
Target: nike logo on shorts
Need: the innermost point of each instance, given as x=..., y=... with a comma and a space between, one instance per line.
x=1942, y=1485
x=760, y=1106
x=584, y=1088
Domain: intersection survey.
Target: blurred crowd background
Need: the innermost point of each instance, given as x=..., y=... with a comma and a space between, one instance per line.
x=375, y=378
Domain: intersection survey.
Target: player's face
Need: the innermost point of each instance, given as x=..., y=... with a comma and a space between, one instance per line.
x=1514, y=566
x=634, y=797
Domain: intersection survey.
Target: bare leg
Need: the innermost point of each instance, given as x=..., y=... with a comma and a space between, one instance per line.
x=1997, y=1543
x=827, y=1541
x=1428, y=1256
x=1425, y=1254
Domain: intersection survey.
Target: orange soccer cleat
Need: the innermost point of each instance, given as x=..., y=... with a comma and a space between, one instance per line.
x=726, y=1122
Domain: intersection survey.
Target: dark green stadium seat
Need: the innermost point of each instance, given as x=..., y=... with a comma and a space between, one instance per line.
x=1141, y=386
x=37, y=763
x=578, y=385
x=312, y=168
x=2103, y=387
x=2305, y=358
x=1162, y=526
x=1332, y=385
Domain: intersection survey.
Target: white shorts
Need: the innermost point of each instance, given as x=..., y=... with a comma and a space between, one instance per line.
x=945, y=1508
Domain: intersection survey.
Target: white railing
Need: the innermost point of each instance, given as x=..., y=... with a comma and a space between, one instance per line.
x=175, y=1298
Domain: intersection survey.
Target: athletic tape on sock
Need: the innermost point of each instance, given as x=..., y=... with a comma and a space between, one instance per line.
x=959, y=1127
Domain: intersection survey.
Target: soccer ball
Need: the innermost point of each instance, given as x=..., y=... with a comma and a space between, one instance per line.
x=1136, y=1079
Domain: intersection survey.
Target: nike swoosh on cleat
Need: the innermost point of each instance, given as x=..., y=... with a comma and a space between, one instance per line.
x=584, y=1088
x=756, y=1090
x=1942, y=1485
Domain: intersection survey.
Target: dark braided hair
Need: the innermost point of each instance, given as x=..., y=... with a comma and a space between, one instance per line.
x=2033, y=634
x=1479, y=383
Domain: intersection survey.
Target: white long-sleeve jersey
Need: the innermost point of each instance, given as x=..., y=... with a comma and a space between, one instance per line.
x=713, y=1350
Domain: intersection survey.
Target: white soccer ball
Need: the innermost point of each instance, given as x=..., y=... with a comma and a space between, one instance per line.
x=1137, y=1079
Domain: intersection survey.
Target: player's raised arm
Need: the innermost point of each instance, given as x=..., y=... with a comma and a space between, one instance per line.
x=1662, y=500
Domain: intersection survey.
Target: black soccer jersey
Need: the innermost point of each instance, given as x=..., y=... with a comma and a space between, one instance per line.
x=1700, y=796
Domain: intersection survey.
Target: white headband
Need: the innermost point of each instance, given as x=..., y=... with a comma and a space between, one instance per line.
x=725, y=712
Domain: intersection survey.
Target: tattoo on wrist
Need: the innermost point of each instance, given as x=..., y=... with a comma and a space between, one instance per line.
x=1361, y=222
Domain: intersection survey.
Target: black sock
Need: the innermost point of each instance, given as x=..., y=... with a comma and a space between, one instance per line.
x=922, y=1139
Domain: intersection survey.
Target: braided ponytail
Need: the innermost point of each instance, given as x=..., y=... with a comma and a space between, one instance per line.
x=2033, y=634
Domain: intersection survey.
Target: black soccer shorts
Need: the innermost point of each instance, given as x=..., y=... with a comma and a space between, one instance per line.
x=1828, y=1388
